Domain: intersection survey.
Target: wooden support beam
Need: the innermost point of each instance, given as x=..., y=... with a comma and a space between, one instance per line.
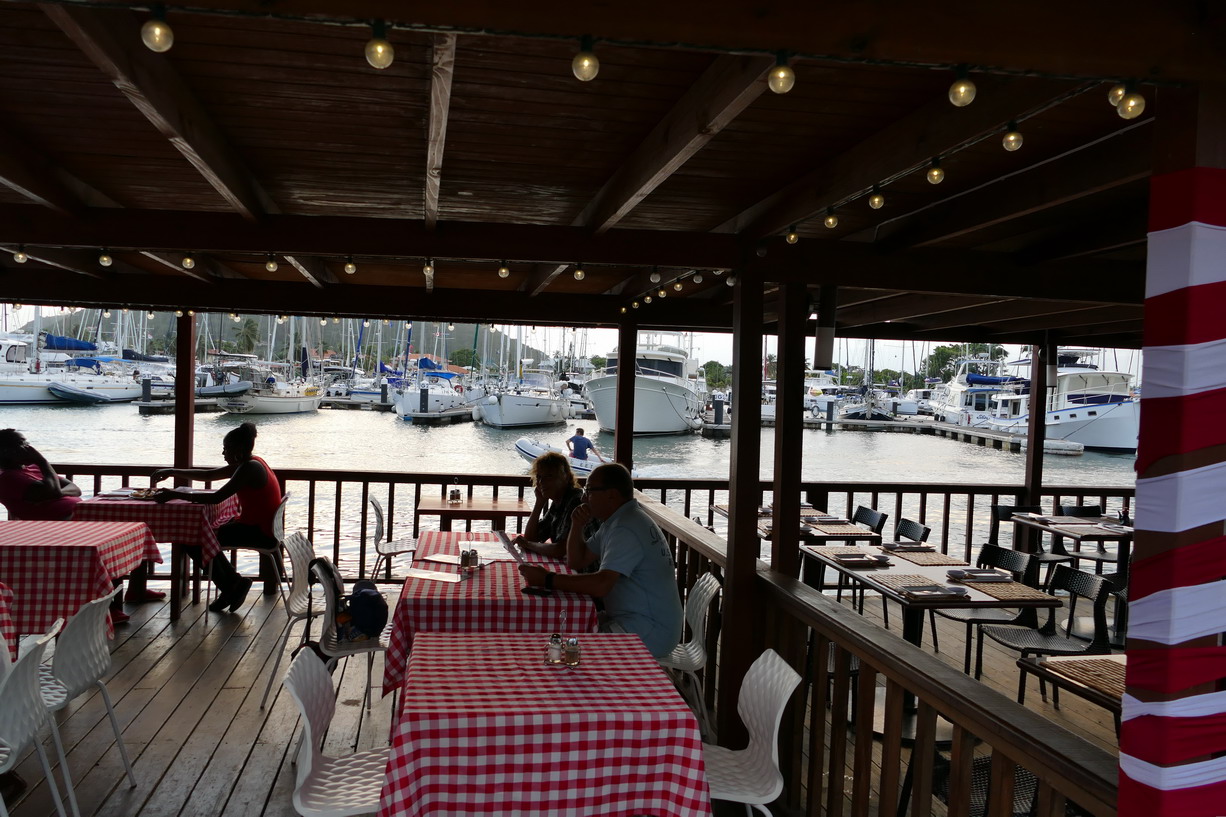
x=1117, y=229
x=725, y=89
x=929, y=131
x=32, y=176
x=627, y=349
x=793, y=306
x=312, y=269
x=441, y=71
x=541, y=277
x=74, y=261
x=1121, y=158
x=201, y=272
x=111, y=40
x=905, y=307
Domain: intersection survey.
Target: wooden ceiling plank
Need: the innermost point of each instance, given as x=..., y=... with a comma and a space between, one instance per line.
x=905, y=308
x=1113, y=231
x=312, y=269
x=926, y=132
x=441, y=74
x=110, y=39
x=1122, y=158
x=32, y=175
x=726, y=88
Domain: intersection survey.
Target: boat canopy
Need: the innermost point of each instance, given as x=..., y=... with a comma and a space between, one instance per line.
x=132, y=354
x=61, y=343
x=385, y=369
x=90, y=362
x=427, y=363
x=991, y=380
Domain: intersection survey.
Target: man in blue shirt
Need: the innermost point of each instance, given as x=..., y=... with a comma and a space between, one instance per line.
x=636, y=578
x=579, y=445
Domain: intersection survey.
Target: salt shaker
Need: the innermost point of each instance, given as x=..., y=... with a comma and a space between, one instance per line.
x=554, y=655
x=474, y=559
x=570, y=652
x=464, y=561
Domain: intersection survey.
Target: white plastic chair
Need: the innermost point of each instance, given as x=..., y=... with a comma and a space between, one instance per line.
x=298, y=602
x=82, y=659
x=690, y=657
x=386, y=550
x=23, y=713
x=271, y=553
x=329, y=786
x=751, y=775
x=330, y=643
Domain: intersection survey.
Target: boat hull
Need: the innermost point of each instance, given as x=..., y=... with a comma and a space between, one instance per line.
x=294, y=402
x=1102, y=427
x=34, y=389
x=660, y=406
x=511, y=410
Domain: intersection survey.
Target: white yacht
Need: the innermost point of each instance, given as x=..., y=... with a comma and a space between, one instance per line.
x=967, y=398
x=670, y=389
x=534, y=400
x=24, y=380
x=823, y=391
x=923, y=395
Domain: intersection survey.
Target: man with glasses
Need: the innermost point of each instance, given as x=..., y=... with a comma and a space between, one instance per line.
x=635, y=577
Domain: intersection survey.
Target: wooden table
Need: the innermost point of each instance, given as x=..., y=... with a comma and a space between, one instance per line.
x=178, y=522
x=813, y=532
x=495, y=510
x=1068, y=672
x=490, y=729
x=491, y=600
x=55, y=567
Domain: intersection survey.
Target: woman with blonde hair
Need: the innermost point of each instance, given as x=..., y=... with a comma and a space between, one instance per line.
x=557, y=495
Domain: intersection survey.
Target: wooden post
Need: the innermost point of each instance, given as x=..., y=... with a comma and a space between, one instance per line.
x=1177, y=608
x=742, y=637
x=793, y=310
x=185, y=389
x=623, y=435
x=1036, y=427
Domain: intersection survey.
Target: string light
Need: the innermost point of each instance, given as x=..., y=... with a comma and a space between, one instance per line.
x=18, y=306
x=791, y=236
x=646, y=299
x=350, y=267
x=178, y=313
x=782, y=77
x=156, y=33
x=662, y=293
x=280, y=319
x=677, y=286
x=188, y=262
x=1131, y=105
x=1012, y=140
x=233, y=316
x=655, y=275
x=623, y=310
x=366, y=323
x=104, y=259
x=962, y=92
x=730, y=280
x=150, y=316
x=20, y=256
x=831, y=221
x=698, y=277
x=191, y=313
x=271, y=265
x=336, y=319
x=106, y=313
x=876, y=200
x=503, y=269
x=935, y=174
x=579, y=273
x=1116, y=94
x=379, y=52
x=323, y=321
x=634, y=304
x=585, y=66
x=427, y=269
x=450, y=327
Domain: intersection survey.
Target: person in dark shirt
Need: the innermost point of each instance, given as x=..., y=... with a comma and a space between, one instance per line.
x=579, y=445
x=557, y=495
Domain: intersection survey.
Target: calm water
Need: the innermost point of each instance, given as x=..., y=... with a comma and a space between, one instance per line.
x=365, y=440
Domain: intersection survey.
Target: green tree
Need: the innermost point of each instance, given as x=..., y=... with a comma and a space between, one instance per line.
x=465, y=357
x=247, y=335
x=942, y=361
x=716, y=374
x=598, y=362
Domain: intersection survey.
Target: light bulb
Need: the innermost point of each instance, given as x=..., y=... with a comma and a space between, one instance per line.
x=792, y=236
x=124, y=310
x=150, y=316
x=503, y=270
x=646, y=299
x=782, y=77
x=1116, y=94
x=580, y=274
x=450, y=327
x=634, y=304
x=233, y=317
x=962, y=92
x=271, y=265
x=20, y=256
x=623, y=310
x=188, y=262
x=106, y=313
x=1012, y=140
x=237, y=319
x=350, y=267
x=876, y=201
x=730, y=280
x=365, y=324
x=387, y=322
x=336, y=320
x=178, y=313
x=280, y=319
x=323, y=321
x=191, y=313
x=428, y=268
x=654, y=277
x=698, y=277
x=677, y=286
x=1131, y=106
x=935, y=174
x=831, y=221
x=662, y=293
x=105, y=259
x=379, y=52
x=16, y=306
x=156, y=35
x=585, y=65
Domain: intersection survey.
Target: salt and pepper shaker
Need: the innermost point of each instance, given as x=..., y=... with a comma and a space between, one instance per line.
x=570, y=652
x=474, y=559
x=554, y=653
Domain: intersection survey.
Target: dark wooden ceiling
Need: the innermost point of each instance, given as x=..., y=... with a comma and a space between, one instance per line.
x=263, y=132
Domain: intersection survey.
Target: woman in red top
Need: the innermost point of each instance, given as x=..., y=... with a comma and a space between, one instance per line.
x=259, y=495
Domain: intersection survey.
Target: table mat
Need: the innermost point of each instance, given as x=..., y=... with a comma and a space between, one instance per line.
x=836, y=550
x=1006, y=591
x=900, y=580
x=1102, y=674
x=921, y=558
x=840, y=530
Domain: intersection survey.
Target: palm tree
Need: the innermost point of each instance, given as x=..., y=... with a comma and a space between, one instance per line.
x=246, y=336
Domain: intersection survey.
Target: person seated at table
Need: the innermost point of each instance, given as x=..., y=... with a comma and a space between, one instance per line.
x=635, y=577
x=259, y=495
x=579, y=445
x=557, y=495
x=30, y=489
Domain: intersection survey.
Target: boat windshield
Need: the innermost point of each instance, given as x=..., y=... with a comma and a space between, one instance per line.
x=652, y=367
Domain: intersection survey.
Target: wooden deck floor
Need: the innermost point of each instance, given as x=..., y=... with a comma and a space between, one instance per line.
x=187, y=695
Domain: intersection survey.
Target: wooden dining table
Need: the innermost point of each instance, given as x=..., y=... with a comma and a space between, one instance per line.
x=817, y=527
x=491, y=729
x=497, y=511
x=489, y=600
x=52, y=568
x=177, y=522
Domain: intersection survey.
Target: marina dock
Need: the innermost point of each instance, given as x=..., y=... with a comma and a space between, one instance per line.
x=356, y=405
x=204, y=405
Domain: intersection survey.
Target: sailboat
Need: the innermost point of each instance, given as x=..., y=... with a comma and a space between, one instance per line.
x=26, y=379
x=532, y=399
x=271, y=391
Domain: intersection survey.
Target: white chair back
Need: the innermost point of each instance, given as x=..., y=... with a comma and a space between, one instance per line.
x=310, y=686
x=23, y=711
x=764, y=694
x=698, y=605
x=377, y=507
x=278, y=519
x=82, y=655
x=300, y=551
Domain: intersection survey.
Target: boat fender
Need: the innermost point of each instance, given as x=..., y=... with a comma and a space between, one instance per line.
x=492, y=400
x=695, y=423
x=553, y=410
x=477, y=413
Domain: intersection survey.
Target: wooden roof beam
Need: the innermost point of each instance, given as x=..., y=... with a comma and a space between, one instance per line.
x=1116, y=230
x=312, y=269
x=32, y=176
x=903, y=307
x=1078, y=318
x=926, y=132
x=110, y=39
x=203, y=271
x=995, y=312
x=542, y=276
x=441, y=72
x=1121, y=158
x=74, y=261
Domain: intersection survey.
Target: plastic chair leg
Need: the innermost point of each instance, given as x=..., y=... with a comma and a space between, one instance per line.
x=123, y=750
x=64, y=771
x=46, y=764
x=932, y=620
x=276, y=664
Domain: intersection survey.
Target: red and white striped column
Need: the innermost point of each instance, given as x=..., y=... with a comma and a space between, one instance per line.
x=1174, y=710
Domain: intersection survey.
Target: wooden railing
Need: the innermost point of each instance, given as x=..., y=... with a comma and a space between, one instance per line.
x=825, y=739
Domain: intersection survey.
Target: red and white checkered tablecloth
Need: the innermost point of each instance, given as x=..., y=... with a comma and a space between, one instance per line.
x=489, y=602
x=488, y=728
x=178, y=521
x=7, y=631
x=55, y=567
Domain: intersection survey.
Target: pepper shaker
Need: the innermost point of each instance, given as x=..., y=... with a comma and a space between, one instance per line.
x=570, y=652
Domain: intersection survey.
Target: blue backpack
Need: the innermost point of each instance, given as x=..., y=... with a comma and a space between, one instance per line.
x=367, y=608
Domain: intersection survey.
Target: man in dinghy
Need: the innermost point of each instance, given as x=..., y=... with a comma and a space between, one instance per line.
x=579, y=445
